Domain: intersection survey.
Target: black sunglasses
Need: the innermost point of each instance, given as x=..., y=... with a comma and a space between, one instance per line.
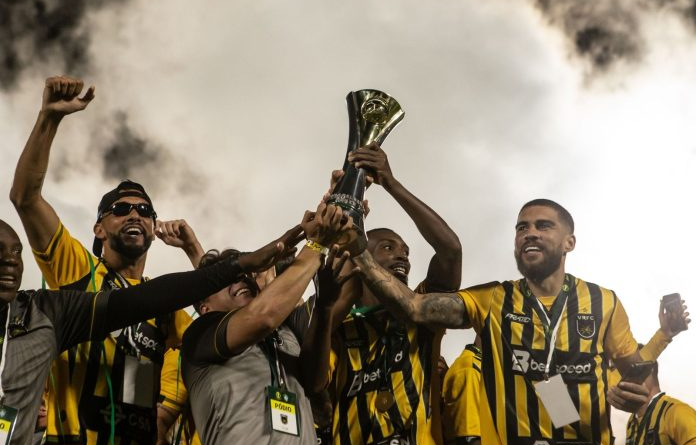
x=124, y=208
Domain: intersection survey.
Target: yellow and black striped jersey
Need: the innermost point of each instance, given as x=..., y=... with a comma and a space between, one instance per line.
x=79, y=407
x=666, y=421
x=372, y=352
x=514, y=353
x=460, y=395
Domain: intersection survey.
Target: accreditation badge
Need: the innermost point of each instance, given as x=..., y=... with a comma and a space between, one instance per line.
x=285, y=413
x=8, y=418
x=556, y=399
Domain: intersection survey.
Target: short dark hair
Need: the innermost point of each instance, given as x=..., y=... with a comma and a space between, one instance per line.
x=563, y=214
x=214, y=256
x=379, y=229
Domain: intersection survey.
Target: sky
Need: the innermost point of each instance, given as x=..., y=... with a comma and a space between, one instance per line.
x=233, y=115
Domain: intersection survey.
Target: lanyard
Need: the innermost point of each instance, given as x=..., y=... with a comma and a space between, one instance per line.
x=5, y=341
x=552, y=323
x=271, y=348
x=391, y=341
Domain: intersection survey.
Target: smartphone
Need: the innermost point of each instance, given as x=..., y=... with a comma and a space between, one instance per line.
x=638, y=372
x=673, y=305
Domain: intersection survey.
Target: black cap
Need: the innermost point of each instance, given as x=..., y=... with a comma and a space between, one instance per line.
x=125, y=188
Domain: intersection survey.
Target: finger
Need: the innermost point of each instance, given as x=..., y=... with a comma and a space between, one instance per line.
x=308, y=216
x=366, y=208
x=352, y=273
x=338, y=264
x=336, y=217
x=70, y=92
x=89, y=95
x=78, y=87
x=332, y=255
x=63, y=86
x=373, y=146
x=158, y=226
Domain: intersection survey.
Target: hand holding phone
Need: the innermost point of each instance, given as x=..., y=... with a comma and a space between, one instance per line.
x=638, y=372
x=672, y=309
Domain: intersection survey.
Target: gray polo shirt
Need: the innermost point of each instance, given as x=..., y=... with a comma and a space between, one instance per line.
x=42, y=324
x=227, y=393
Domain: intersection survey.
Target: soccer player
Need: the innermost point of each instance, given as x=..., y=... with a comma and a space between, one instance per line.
x=240, y=359
x=382, y=373
x=460, y=395
x=663, y=420
x=544, y=338
x=35, y=326
x=130, y=360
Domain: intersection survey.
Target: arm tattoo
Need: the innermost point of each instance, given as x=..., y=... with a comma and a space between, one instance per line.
x=444, y=310
x=436, y=309
x=395, y=295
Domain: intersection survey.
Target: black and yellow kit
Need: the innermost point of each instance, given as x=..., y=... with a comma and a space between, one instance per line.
x=460, y=395
x=666, y=421
x=372, y=354
x=125, y=367
x=515, y=348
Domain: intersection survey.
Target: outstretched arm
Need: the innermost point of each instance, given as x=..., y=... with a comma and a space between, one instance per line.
x=438, y=310
x=445, y=270
x=40, y=221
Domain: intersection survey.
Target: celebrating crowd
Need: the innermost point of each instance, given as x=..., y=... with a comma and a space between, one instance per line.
x=111, y=357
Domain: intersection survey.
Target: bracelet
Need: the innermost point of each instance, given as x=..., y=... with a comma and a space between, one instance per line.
x=315, y=246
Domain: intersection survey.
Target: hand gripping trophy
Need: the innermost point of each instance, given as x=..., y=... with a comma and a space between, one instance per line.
x=372, y=115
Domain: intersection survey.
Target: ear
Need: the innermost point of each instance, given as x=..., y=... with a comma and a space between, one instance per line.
x=99, y=231
x=204, y=309
x=569, y=244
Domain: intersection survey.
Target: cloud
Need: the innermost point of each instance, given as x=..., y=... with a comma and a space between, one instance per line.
x=602, y=33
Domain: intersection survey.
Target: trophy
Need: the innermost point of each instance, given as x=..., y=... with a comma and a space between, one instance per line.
x=372, y=115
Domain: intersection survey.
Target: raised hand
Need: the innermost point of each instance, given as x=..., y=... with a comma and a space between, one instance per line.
x=628, y=396
x=61, y=96
x=269, y=254
x=373, y=159
x=326, y=224
x=674, y=317
x=329, y=278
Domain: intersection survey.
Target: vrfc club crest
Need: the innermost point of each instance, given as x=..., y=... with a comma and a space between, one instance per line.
x=585, y=325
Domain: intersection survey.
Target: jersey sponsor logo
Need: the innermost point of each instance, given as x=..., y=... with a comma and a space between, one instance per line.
x=522, y=362
x=367, y=380
x=585, y=325
x=518, y=318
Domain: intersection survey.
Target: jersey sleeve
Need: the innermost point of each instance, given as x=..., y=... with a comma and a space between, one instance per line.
x=205, y=341
x=64, y=261
x=477, y=301
x=681, y=424
x=619, y=341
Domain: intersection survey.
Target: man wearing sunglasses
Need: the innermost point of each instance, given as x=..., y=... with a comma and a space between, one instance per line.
x=81, y=410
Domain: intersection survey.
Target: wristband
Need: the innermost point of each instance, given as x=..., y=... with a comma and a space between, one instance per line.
x=315, y=246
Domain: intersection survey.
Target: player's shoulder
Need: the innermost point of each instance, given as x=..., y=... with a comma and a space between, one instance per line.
x=485, y=286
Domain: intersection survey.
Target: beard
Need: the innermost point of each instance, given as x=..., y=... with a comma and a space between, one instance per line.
x=130, y=251
x=540, y=271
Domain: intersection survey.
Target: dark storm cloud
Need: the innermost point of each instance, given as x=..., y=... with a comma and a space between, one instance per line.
x=602, y=32
x=128, y=151
x=131, y=154
x=37, y=30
